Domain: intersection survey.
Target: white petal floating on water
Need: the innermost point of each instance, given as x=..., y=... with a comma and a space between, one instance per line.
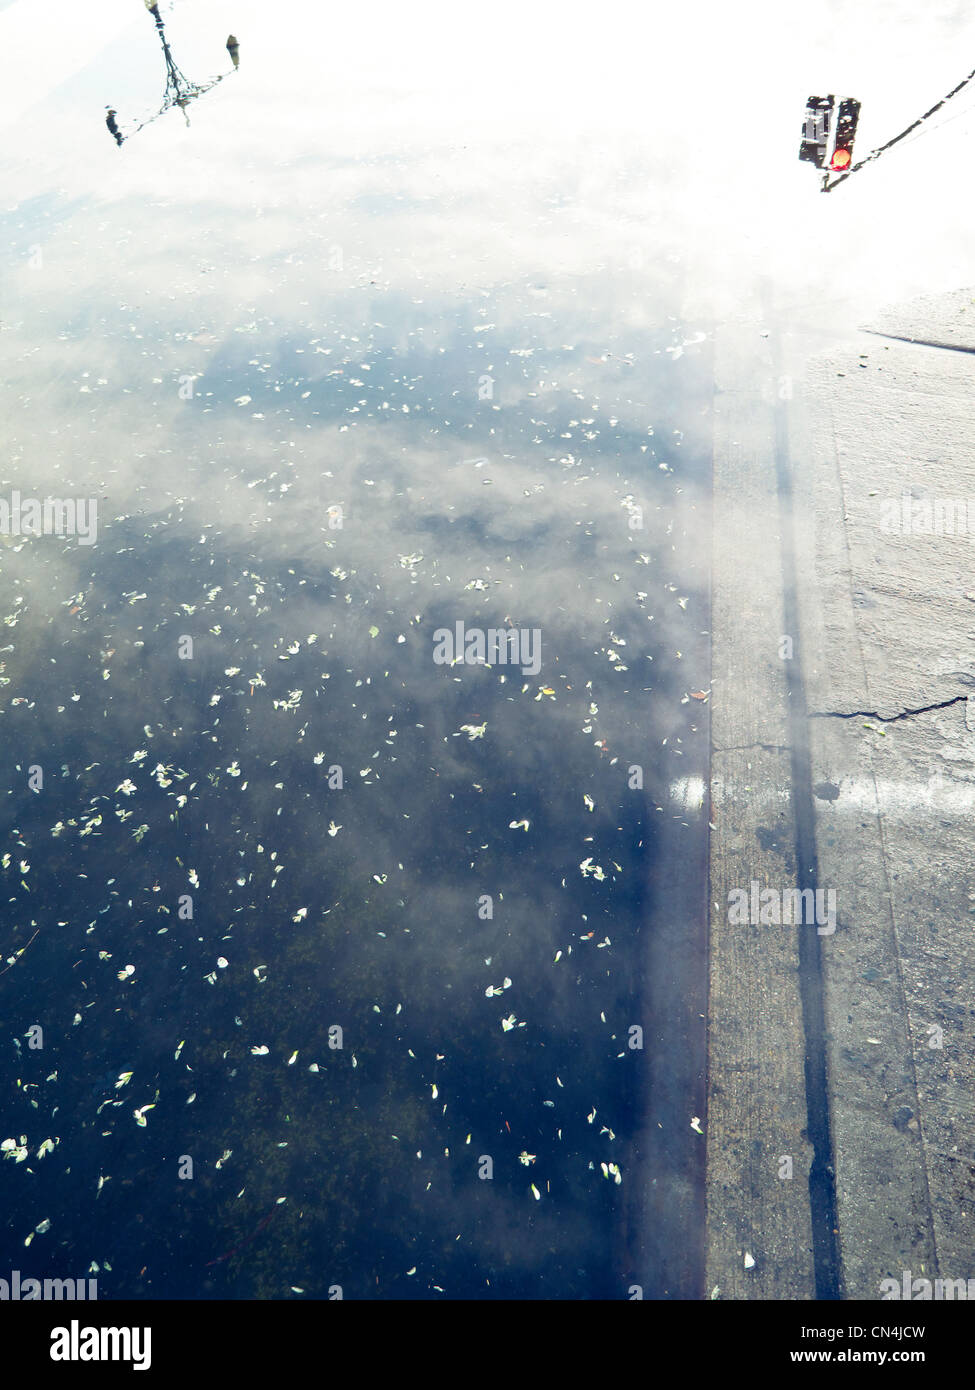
x=595, y=870
x=472, y=731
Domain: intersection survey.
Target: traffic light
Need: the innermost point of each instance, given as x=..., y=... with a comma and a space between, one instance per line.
x=815, y=130
x=847, y=116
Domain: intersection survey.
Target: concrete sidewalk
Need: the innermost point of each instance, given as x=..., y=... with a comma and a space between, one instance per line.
x=882, y=467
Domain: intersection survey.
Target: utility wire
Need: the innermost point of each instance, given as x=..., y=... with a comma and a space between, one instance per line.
x=828, y=187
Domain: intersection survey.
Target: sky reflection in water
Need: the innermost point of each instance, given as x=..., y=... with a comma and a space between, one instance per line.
x=487, y=350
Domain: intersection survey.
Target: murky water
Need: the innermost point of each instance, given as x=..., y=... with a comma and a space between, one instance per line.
x=370, y=931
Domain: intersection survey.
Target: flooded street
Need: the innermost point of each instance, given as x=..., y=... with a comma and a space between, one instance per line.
x=371, y=909
x=356, y=589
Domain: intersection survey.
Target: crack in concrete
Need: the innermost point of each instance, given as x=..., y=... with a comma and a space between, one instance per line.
x=886, y=718
x=918, y=342
x=747, y=747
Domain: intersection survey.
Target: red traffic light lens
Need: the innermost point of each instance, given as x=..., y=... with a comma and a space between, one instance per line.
x=840, y=160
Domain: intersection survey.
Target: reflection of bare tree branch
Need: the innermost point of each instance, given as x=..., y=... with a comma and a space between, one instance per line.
x=179, y=90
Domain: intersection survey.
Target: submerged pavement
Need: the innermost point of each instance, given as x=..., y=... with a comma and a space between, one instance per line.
x=841, y=1143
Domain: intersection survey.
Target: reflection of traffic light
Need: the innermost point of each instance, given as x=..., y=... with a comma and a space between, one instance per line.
x=815, y=130
x=846, y=128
